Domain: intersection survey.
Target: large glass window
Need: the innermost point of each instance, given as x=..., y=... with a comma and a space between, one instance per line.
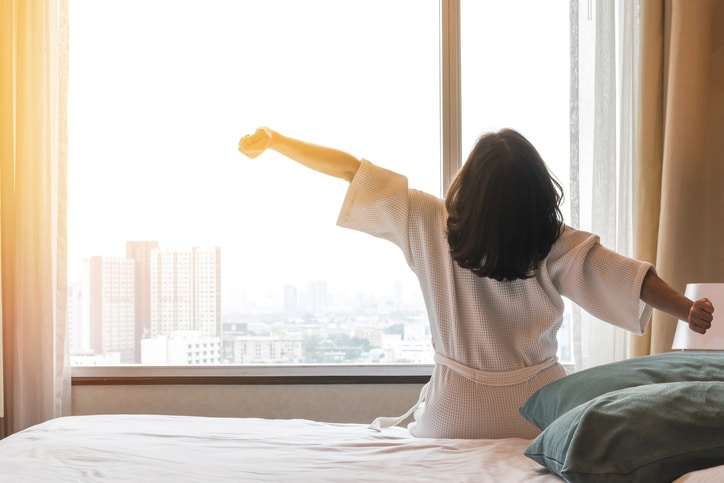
x=241, y=256
x=194, y=254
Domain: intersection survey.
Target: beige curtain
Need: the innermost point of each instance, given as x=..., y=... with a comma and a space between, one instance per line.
x=679, y=216
x=35, y=375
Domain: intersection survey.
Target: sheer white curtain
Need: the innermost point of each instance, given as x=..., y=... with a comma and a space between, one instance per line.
x=35, y=374
x=604, y=77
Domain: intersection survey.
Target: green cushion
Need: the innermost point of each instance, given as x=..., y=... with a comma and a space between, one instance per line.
x=554, y=399
x=653, y=433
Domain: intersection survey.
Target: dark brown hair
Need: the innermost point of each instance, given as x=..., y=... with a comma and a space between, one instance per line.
x=503, y=208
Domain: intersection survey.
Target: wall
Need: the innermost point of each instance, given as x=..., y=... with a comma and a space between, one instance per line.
x=352, y=403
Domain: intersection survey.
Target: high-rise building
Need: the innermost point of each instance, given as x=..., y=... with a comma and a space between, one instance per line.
x=111, y=301
x=140, y=253
x=186, y=291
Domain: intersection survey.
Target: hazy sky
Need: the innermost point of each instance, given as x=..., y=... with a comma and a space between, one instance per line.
x=161, y=90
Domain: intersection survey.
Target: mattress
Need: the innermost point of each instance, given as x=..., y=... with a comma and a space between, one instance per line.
x=128, y=448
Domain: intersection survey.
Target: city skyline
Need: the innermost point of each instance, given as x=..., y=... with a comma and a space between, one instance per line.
x=110, y=323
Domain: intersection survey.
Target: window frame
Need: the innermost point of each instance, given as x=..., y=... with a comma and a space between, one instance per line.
x=270, y=374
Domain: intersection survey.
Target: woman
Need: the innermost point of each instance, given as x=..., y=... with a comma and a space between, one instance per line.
x=494, y=260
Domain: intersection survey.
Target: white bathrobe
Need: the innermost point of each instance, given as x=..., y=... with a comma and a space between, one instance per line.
x=495, y=342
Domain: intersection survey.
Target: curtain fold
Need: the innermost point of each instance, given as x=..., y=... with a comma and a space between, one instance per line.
x=35, y=373
x=680, y=160
x=604, y=83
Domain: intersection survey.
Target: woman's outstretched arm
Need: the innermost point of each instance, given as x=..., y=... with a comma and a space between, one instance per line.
x=329, y=161
x=660, y=295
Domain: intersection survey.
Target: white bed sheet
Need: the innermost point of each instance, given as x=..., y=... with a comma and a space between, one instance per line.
x=143, y=448
x=129, y=448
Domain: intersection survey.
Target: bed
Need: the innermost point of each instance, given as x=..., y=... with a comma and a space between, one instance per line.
x=651, y=419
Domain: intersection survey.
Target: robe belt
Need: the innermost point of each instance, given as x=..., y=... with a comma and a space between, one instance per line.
x=503, y=378
x=387, y=421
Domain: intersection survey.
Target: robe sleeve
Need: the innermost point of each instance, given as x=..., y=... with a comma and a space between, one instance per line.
x=377, y=203
x=604, y=283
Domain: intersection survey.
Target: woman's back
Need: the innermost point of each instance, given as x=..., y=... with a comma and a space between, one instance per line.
x=495, y=340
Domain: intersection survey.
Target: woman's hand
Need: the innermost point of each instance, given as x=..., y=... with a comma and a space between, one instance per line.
x=329, y=161
x=252, y=145
x=700, y=315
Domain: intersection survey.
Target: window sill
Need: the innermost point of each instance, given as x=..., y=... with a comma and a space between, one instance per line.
x=253, y=374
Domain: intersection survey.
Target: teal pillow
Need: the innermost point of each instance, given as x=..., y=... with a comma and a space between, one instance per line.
x=653, y=433
x=557, y=397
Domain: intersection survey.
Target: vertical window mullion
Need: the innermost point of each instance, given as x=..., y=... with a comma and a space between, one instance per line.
x=450, y=104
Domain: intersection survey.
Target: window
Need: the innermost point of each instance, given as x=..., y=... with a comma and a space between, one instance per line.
x=243, y=256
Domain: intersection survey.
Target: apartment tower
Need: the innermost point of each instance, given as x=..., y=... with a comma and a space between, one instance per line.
x=186, y=291
x=111, y=301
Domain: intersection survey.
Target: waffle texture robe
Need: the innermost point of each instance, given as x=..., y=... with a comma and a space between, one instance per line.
x=495, y=342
